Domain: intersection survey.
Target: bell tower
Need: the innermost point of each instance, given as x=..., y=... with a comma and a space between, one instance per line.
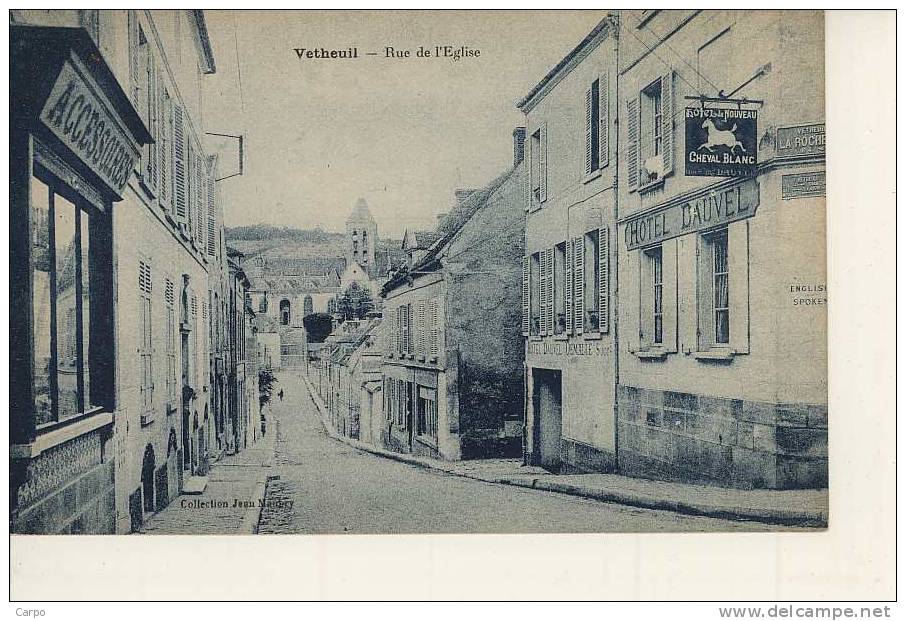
x=361, y=236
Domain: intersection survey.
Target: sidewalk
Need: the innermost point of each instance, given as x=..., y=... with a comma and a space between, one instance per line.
x=241, y=477
x=807, y=508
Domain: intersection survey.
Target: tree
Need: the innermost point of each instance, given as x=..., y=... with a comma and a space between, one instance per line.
x=317, y=326
x=266, y=381
x=356, y=302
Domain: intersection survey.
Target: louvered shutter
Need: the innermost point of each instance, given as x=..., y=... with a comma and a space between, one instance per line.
x=164, y=152
x=569, y=286
x=604, y=279
x=542, y=163
x=604, y=121
x=527, y=176
x=180, y=193
x=542, y=293
x=738, y=294
x=551, y=303
x=579, y=287
x=201, y=202
x=151, y=161
x=433, y=335
x=632, y=143
x=420, y=340
x=669, y=293
x=667, y=106
x=134, y=66
x=191, y=203
x=212, y=209
x=525, y=296
x=589, y=123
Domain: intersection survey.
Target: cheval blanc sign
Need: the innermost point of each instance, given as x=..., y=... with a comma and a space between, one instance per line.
x=721, y=142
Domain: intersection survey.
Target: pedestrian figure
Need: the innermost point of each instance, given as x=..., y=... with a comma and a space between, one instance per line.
x=280, y=394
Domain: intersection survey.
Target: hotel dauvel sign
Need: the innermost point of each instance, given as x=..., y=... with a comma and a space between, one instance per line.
x=721, y=142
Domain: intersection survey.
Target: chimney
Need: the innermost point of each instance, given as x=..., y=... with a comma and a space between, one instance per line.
x=462, y=195
x=518, y=145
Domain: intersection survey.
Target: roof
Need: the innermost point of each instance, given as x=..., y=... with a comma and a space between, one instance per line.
x=294, y=266
x=360, y=212
x=207, y=54
x=422, y=239
x=592, y=38
x=302, y=283
x=447, y=230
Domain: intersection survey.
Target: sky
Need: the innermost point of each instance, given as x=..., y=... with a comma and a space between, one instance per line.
x=403, y=133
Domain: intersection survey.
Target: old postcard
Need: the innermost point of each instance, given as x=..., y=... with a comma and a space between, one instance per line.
x=294, y=272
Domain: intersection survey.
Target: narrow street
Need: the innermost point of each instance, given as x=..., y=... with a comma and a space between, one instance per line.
x=325, y=486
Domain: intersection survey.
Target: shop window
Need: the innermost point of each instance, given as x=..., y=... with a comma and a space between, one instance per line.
x=66, y=277
x=560, y=276
x=427, y=412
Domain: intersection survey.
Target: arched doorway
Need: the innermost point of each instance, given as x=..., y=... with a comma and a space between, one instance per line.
x=285, y=314
x=148, y=480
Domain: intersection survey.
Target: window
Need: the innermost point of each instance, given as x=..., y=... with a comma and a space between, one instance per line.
x=655, y=258
x=64, y=269
x=307, y=306
x=649, y=133
x=536, y=171
x=426, y=408
x=535, y=303
x=145, y=287
x=405, y=329
x=597, y=125
x=285, y=314
x=262, y=304
x=592, y=284
x=715, y=257
x=560, y=276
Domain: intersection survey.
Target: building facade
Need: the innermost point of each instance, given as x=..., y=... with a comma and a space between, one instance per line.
x=698, y=233
x=452, y=384
x=570, y=222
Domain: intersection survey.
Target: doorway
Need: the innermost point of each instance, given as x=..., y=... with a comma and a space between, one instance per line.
x=547, y=404
x=148, y=480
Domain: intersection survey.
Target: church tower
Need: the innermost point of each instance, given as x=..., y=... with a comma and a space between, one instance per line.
x=361, y=236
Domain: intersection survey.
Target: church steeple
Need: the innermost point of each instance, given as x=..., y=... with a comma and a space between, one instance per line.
x=361, y=236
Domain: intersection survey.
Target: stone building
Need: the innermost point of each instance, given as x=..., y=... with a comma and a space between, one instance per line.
x=567, y=316
x=452, y=371
x=706, y=360
x=116, y=406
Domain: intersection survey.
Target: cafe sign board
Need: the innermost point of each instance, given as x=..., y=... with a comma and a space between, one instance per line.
x=703, y=211
x=801, y=140
x=803, y=185
x=82, y=118
x=721, y=142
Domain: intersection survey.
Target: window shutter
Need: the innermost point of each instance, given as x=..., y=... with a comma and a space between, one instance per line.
x=633, y=274
x=542, y=293
x=212, y=209
x=525, y=296
x=201, y=203
x=738, y=263
x=150, y=169
x=180, y=195
x=670, y=298
x=604, y=279
x=432, y=334
x=191, y=205
x=551, y=319
x=569, y=286
x=164, y=155
x=134, y=68
x=604, y=121
x=667, y=121
x=527, y=176
x=420, y=328
x=588, y=126
x=579, y=286
x=632, y=143
x=542, y=163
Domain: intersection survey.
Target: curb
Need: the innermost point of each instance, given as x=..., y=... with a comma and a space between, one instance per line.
x=249, y=524
x=768, y=516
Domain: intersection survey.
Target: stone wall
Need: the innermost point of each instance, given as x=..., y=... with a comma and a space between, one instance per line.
x=67, y=489
x=734, y=442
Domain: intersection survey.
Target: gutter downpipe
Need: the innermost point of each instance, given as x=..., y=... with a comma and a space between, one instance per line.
x=615, y=24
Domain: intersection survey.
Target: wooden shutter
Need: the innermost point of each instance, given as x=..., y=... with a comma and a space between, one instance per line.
x=542, y=293
x=579, y=287
x=604, y=279
x=151, y=159
x=527, y=176
x=589, y=123
x=542, y=163
x=212, y=209
x=633, y=274
x=190, y=185
x=180, y=194
x=433, y=344
x=165, y=148
x=420, y=341
x=201, y=203
x=603, y=121
x=632, y=143
x=526, y=290
x=670, y=293
x=134, y=66
x=738, y=263
x=569, y=286
x=551, y=300
x=667, y=110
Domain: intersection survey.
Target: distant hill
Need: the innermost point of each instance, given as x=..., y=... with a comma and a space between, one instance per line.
x=290, y=243
x=260, y=232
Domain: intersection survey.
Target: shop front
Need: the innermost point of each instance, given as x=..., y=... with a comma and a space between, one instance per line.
x=74, y=140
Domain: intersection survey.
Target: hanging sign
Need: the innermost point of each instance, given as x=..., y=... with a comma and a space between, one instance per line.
x=721, y=142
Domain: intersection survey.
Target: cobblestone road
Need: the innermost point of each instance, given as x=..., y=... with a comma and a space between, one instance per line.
x=326, y=486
